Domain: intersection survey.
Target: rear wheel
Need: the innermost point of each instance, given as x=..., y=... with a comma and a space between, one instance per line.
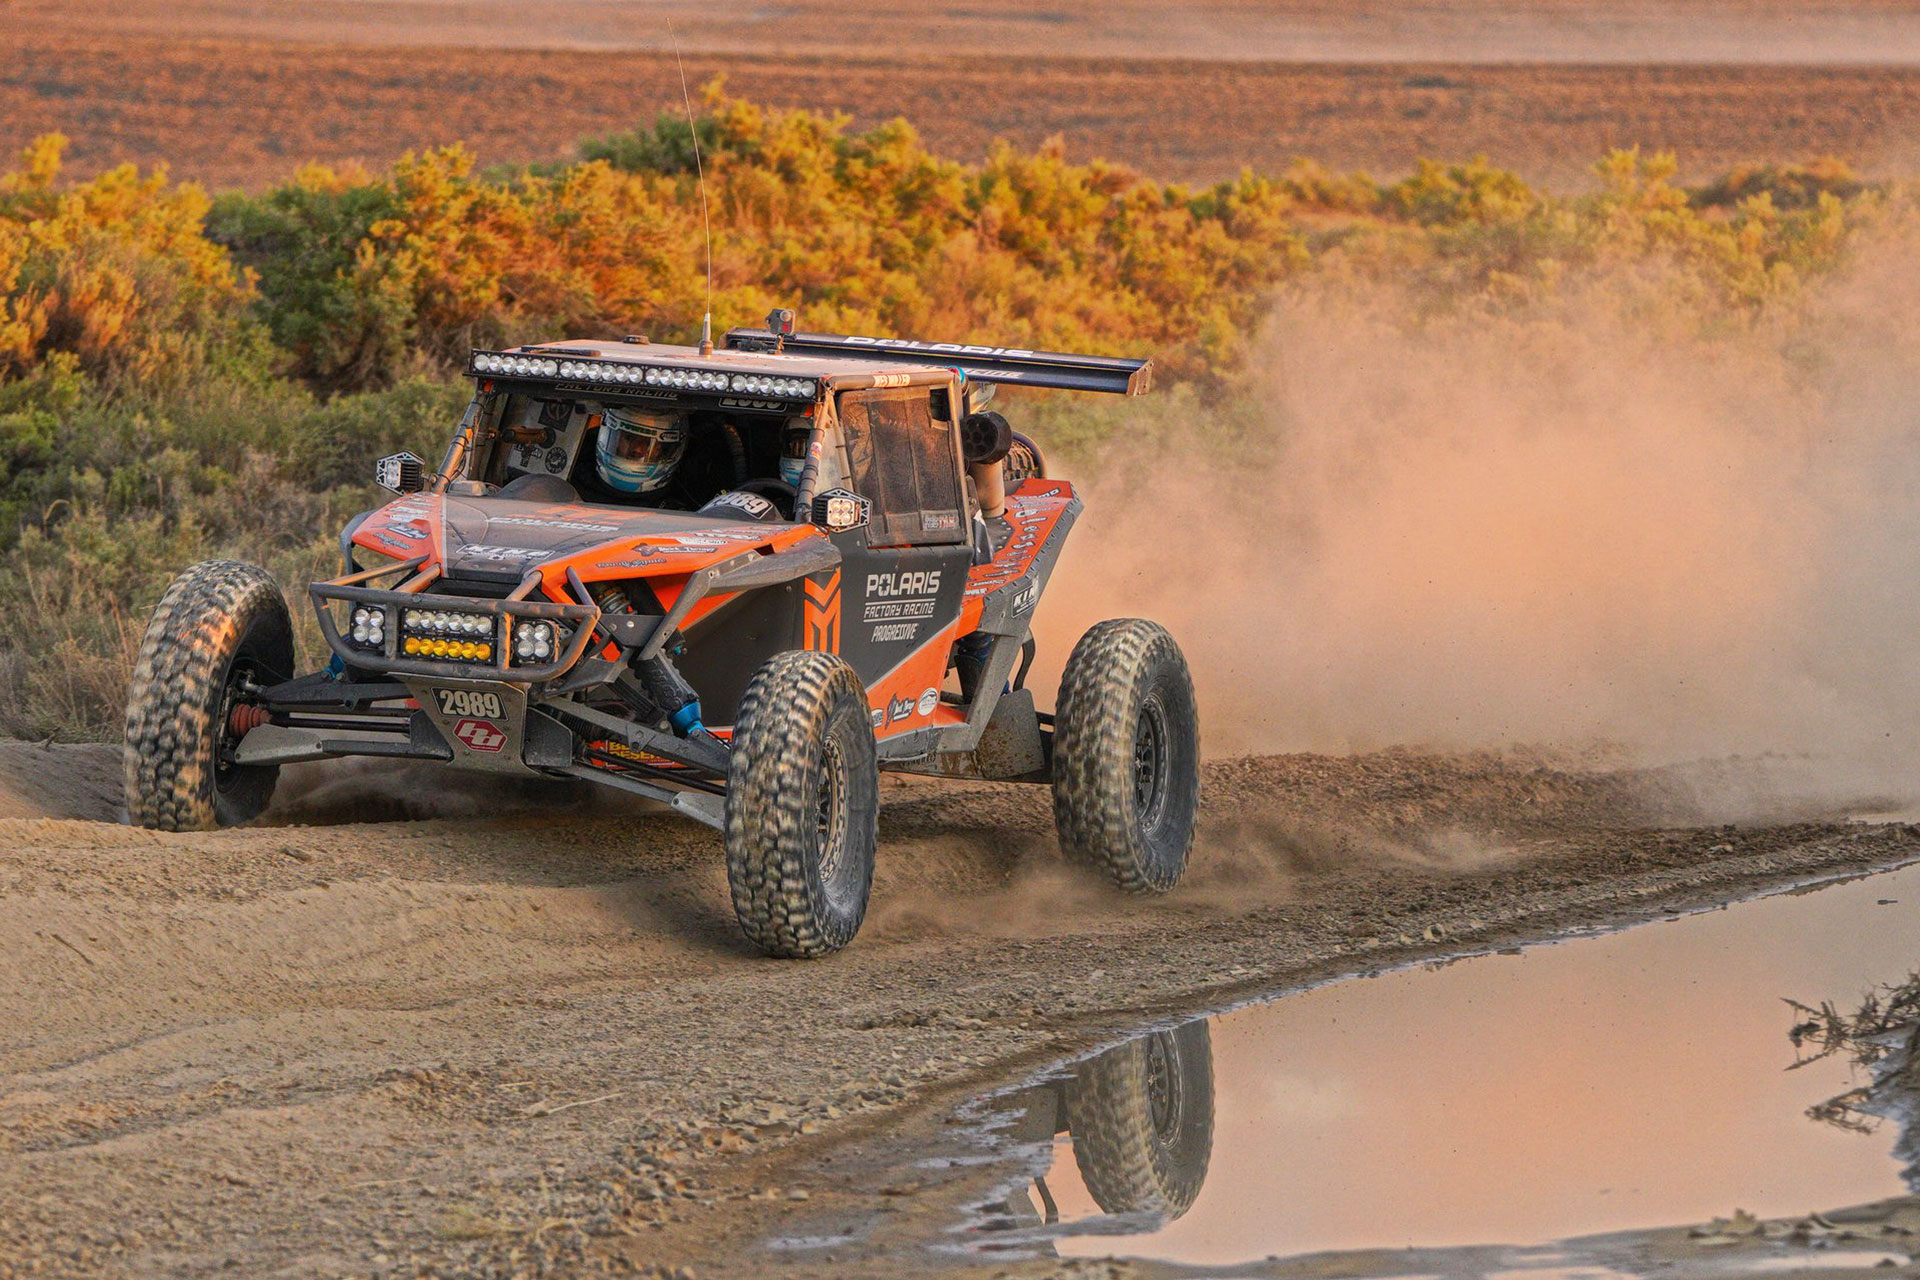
x=802, y=806
x=221, y=629
x=1126, y=755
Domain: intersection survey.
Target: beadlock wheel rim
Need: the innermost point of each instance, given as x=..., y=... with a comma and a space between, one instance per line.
x=1164, y=1102
x=831, y=817
x=1150, y=745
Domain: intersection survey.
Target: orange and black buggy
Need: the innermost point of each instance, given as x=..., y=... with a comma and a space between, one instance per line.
x=739, y=581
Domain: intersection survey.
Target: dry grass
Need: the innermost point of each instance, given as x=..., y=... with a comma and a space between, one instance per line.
x=234, y=114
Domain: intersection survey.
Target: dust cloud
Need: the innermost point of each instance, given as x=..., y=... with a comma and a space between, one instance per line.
x=1580, y=523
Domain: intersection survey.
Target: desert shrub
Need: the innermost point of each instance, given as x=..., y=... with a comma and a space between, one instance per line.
x=115, y=272
x=869, y=232
x=1788, y=186
x=182, y=378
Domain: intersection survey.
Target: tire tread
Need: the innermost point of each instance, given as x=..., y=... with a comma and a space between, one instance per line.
x=779, y=735
x=178, y=674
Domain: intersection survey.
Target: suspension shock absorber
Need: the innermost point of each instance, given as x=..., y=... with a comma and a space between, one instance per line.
x=610, y=598
x=664, y=685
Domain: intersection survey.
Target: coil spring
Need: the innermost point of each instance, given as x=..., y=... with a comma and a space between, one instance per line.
x=611, y=599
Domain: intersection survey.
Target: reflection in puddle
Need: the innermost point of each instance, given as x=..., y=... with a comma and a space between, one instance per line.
x=1576, y=1095
x=1138, y=1120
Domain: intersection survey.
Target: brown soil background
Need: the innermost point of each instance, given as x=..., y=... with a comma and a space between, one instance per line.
x=532, y=1042
x=245, y=103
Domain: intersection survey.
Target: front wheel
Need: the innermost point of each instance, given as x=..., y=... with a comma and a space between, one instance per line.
x=802, y=808
x=220, y=629
x=1126, y=755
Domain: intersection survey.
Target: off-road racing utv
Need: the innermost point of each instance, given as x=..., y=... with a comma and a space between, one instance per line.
x=747, y=650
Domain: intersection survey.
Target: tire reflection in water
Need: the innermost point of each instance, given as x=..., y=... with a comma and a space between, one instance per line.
x=1140, y=1120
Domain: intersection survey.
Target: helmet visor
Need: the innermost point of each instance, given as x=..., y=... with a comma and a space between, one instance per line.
x=638, y=446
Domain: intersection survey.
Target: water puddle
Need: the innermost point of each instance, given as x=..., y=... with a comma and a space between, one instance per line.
x=1529, y=1114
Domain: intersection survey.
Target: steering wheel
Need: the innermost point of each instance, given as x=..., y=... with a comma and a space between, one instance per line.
x=772, y=487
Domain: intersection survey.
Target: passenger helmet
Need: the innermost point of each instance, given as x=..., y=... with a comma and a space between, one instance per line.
x=639, y=449
x=793, y=450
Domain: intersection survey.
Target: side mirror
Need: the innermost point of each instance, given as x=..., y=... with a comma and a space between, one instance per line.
x=985, y=438
x=400, y=473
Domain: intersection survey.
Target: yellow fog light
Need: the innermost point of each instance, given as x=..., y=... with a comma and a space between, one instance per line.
x=486, y=652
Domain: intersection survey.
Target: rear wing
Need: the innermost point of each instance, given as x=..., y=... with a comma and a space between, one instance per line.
x=1116, y=375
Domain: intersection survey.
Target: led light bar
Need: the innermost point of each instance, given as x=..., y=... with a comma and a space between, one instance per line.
x=449, y=634
x=618, y=373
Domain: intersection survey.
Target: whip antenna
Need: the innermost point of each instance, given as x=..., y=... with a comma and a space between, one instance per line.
x=700, y=172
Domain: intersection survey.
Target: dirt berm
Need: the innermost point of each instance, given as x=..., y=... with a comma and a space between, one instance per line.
x=383, y=1034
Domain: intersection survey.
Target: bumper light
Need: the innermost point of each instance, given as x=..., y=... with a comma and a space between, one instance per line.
x=369, y=630
x=536, y=642
x=448, y=635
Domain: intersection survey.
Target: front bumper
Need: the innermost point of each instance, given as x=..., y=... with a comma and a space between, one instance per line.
x=580, y=618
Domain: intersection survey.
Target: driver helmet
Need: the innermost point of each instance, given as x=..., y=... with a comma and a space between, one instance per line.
x=639, y=449
x=793, y=450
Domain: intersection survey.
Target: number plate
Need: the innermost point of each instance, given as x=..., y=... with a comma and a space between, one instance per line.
x=470, y=702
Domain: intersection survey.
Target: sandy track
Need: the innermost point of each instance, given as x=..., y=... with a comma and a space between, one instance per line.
x=476, y=1045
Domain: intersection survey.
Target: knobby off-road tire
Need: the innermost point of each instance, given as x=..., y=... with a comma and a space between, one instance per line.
x=1126, y=755
x=1142, y=1122
x=220, y=623
x=803, y=801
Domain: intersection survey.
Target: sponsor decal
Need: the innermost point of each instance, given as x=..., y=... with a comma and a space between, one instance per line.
x=940, y=520
x=942, y=348
x=891, y=610
x=888, y=632
x=820, y=621
x=469, y=702
x=545, y=522
x=714, y=540
x=898, y=709
x=751, y=503
x=556, y=461
x=648, y=563
x=627, y=390
x=1023, y=600
x=892, y=379
x=737, y=402
x=479, y=735
x=928, y=701
x=921, y=582
x=879, y=718
x=501, y=555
